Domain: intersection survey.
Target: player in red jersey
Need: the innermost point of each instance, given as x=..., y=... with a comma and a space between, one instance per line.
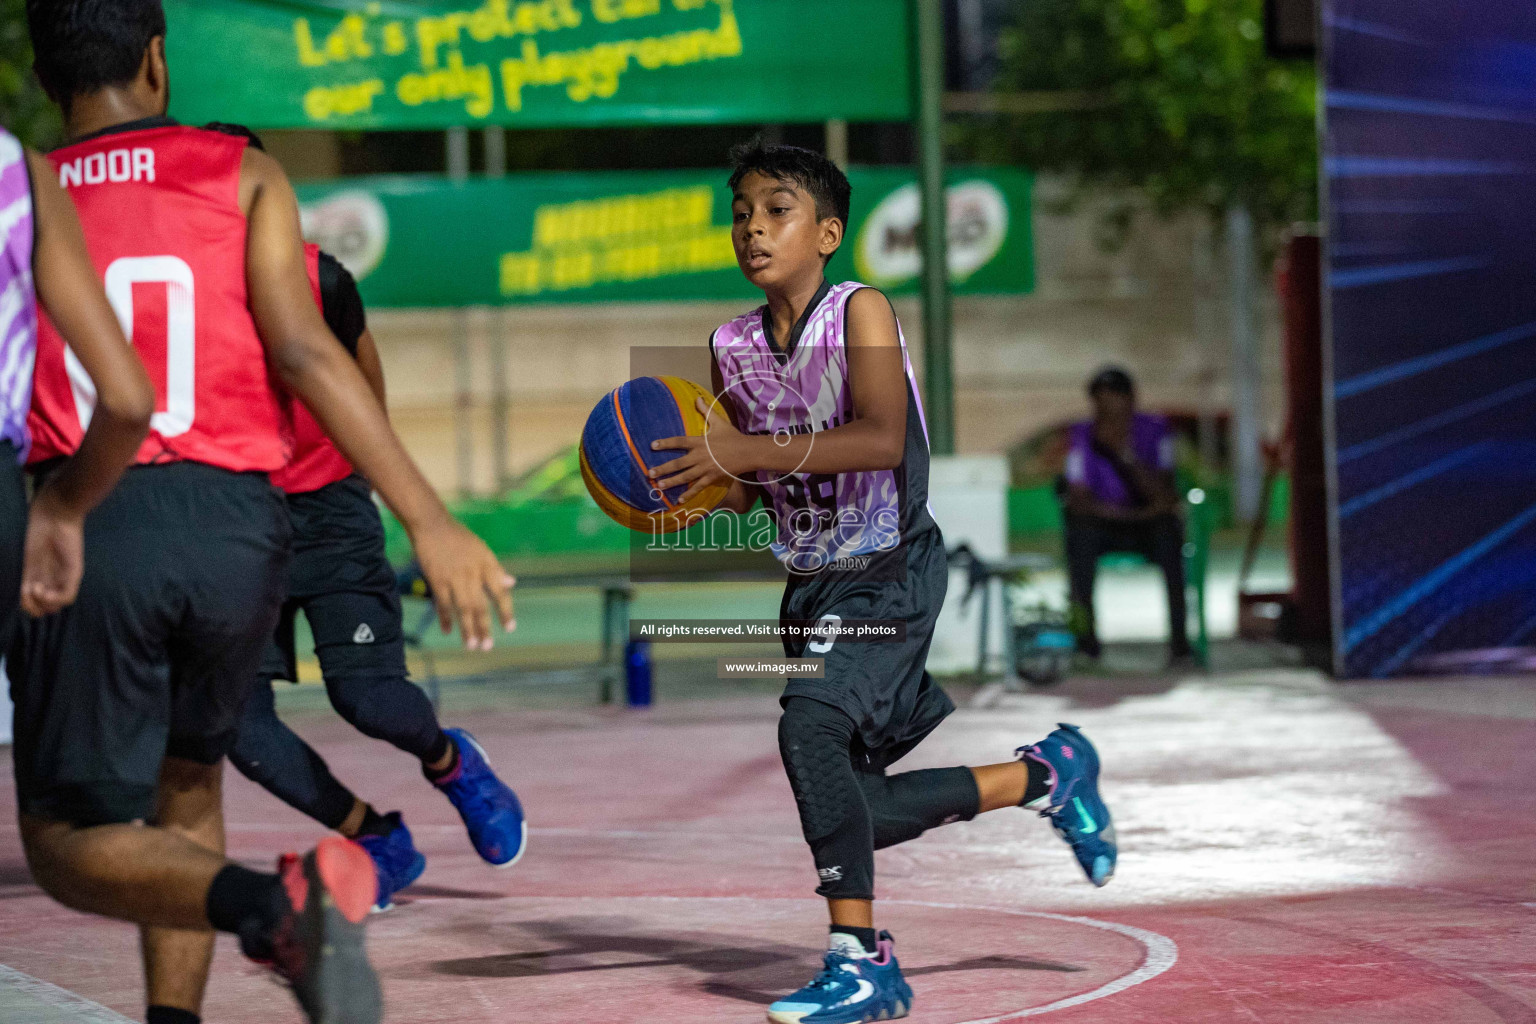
x=128, y=700
x=344, y=585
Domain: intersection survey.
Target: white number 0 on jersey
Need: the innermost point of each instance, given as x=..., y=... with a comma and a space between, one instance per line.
x=180, y=340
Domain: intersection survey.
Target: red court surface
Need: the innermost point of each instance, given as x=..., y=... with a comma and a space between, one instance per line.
x=1291, y=851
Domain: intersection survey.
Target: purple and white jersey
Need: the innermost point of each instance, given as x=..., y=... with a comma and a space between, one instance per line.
x=822, y=518
x=18, y=303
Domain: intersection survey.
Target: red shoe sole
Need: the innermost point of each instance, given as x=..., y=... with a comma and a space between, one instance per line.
x=349, y=876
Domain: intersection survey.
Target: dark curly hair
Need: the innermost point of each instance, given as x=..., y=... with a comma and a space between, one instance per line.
x=808, y=169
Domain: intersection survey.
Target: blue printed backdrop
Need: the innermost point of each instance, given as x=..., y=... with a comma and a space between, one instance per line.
x=1431, y=164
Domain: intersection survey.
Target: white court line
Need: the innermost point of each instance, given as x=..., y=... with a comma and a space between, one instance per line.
x=39, y=993
x=1162, y=954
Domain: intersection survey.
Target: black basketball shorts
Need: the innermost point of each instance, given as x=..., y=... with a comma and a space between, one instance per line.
x=343, y=583
x=884, y=687
x=185, y=569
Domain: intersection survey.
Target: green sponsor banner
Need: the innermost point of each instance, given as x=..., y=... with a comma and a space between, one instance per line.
x=547, y=63
x=620, y=236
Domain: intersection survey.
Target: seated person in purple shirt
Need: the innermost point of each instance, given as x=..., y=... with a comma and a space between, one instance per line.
x=1120, y=496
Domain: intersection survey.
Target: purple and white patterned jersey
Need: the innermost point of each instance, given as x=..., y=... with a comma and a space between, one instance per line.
x=18, y=302
x=822, y=518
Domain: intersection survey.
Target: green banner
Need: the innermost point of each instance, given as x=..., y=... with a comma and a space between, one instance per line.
x=547, y=63
x=626, y=236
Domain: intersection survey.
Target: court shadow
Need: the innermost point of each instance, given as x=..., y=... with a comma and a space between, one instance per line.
x=15, y=873
x=994, y=963
x=16, y=881
x=447, y=892
x=759, y=973
x=608, y=944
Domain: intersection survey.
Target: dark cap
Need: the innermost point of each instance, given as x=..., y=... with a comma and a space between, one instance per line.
x=1112, y=379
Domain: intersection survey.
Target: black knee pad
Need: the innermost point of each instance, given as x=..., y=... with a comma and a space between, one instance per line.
x=815, y=741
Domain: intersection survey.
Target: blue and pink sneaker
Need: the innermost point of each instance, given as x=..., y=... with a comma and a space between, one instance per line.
x=853, y=987
x=1076, y=810
x=395, y=858
x=490, y=809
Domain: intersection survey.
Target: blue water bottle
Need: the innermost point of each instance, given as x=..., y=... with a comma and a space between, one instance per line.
x=637, y=673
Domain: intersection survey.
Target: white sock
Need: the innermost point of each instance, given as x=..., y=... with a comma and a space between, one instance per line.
x=848, y=945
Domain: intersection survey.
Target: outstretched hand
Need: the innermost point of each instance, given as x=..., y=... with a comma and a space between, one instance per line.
x=466, y=580
x=717, y=459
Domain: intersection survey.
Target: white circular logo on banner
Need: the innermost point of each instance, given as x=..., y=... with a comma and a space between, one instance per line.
x=888, y=251
x=351, y=226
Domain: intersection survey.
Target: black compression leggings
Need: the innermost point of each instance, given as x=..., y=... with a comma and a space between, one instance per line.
x=273, y=756
x=847, y=814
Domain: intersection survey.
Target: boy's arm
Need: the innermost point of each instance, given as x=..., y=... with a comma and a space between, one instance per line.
x=457, y=565
x=373, y=370
x=876, y=438
x=741, y=496
x=71, y=291
x=1156, y=483
x=1082, y=501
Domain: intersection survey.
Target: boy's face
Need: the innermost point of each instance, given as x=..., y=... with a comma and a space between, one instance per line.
x=777, y=237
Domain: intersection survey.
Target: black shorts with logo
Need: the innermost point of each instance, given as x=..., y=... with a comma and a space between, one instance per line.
x=344, y=585
x=185, y=569
x=884, y=687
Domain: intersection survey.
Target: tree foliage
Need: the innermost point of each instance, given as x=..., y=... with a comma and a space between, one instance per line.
x=1185, y=105
x=24, y=109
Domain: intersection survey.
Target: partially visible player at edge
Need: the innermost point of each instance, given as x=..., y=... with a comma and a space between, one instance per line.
x=829, y=429
x=43, y=259
x=343, y=583
x=128, y=701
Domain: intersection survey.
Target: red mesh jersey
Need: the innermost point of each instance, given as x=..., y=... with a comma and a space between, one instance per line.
x=316, y=461
x=162, y=218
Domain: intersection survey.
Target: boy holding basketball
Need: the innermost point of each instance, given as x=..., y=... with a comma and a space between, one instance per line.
x=829, y=430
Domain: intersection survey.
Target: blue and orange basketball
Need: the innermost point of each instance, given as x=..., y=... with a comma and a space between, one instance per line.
x=616, y=452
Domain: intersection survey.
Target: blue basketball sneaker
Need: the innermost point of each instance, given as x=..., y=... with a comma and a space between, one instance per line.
x=852, y=987
x=488, y=806
x=1076, y=810
x=395, y=858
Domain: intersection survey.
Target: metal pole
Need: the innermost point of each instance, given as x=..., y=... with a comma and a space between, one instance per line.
x=972, y=29
x=463, y=373
x=457, y=153
x=937, y=354
x=837, y=142
x=1246, y=369
x=1207, y=334
x=501, y=395
x=495, y=152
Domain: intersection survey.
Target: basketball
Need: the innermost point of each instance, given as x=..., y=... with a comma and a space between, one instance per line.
x=616, y=452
